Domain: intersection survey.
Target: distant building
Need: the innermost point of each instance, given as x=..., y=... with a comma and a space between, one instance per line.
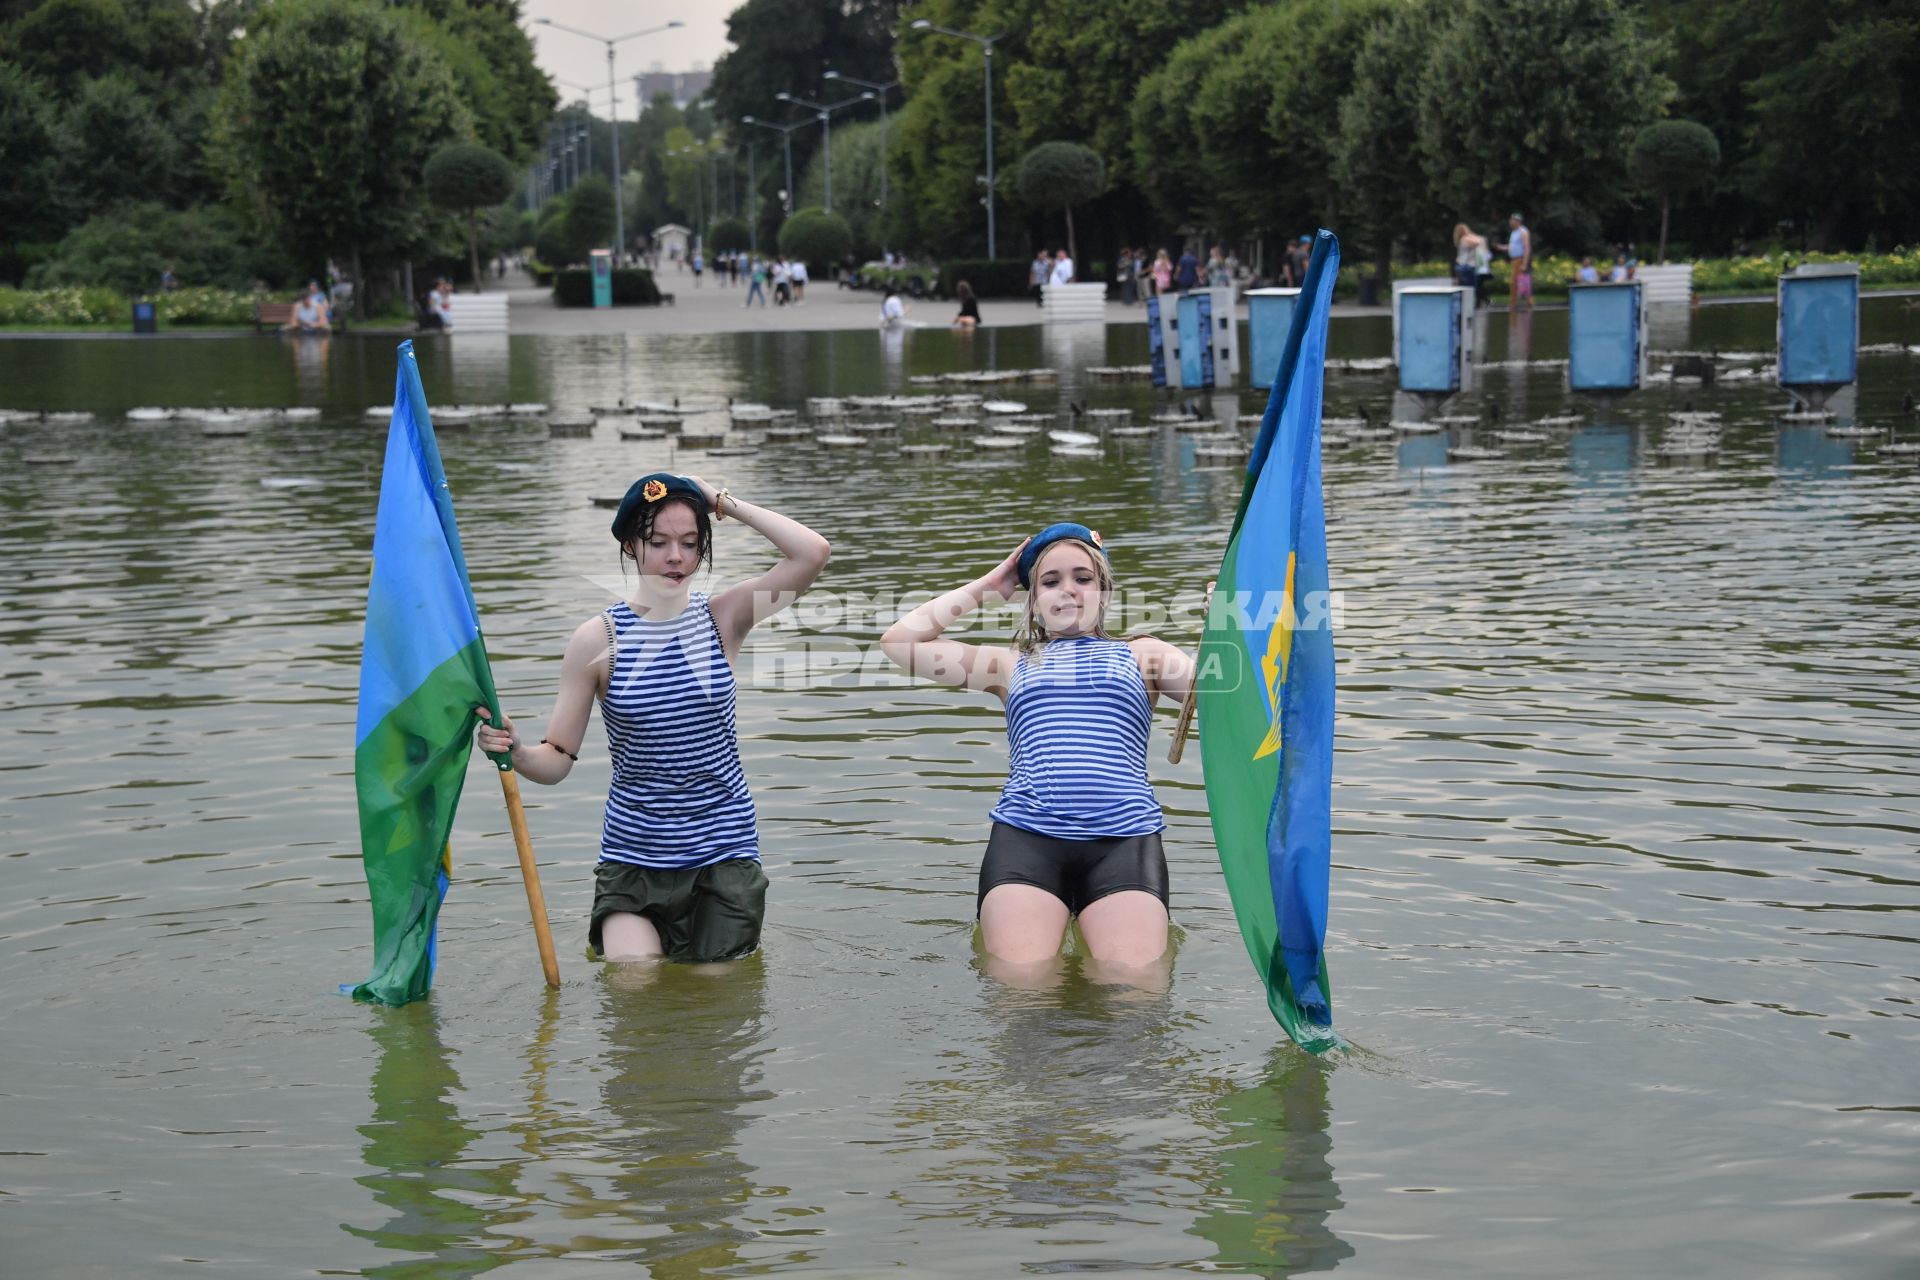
x=682, y=86
x=671, y=242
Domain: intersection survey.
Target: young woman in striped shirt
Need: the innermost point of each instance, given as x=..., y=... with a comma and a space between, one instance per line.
x=1077, y=828
x=679, y=873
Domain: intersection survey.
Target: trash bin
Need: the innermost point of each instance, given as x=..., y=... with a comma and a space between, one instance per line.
x=144, y=319
x=1369, y=291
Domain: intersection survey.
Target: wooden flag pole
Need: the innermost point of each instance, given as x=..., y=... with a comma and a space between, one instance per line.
x=1185, y=724
x=536, y=901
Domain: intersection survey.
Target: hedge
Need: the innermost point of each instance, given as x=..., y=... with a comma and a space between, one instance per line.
x=632, y=287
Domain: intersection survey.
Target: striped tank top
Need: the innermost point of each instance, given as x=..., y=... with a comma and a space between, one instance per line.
x=1077, y=722
x=678, y=797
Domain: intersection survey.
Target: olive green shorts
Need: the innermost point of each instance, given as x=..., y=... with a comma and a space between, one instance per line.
x=701, y=913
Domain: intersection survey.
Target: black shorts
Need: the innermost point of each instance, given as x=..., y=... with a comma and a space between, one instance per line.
x=701, y=913
x=1077, y=872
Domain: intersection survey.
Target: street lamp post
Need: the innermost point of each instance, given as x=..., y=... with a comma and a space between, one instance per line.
x=986, y=46
x=786, y=143
x=753, y=202
x=880, y=91
x=619, y=213
x=826, y=128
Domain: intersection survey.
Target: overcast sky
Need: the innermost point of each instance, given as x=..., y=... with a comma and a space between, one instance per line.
x=569, y=59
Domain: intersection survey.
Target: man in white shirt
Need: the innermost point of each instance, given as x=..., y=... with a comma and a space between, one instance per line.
x=1062, y=269
x=798, y=273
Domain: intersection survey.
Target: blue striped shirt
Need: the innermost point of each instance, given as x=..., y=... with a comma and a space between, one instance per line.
x=678, y=797
x=1077, y=723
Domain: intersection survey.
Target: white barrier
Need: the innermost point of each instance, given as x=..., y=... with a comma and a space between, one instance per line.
x=1671, y=283
x=479, y=313
x=1074, y=301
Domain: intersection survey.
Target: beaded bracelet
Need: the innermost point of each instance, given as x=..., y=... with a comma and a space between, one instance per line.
x=562, y=750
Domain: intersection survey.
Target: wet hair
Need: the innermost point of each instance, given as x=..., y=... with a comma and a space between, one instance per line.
x=963, y=290
x=640, y=528
x=1030, y=637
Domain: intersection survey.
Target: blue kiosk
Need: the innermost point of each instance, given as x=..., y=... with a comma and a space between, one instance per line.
x=1209, y=340
x=601, y=260
x=1269, y=316
x=1434, y=347
x=1819, y=330
x=1606, y=338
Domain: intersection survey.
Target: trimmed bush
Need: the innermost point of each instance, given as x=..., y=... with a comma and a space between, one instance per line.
x=817, y=238
x=988, y=277
x=632, y=287
x=730, y=235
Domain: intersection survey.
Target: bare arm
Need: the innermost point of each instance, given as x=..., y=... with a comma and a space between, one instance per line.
x=583, y=674
x=915, y=645
x=803, y=554
x=1168, y=670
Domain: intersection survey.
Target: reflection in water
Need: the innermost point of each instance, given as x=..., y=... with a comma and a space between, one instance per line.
x=1273, y=1189
x=310, y=352
x=415, y=1144
x=1809, y=450
x=1599, y=450
x=1422, y=453
x=1520, y=334
x=1083, y=1114
x=684, y=1046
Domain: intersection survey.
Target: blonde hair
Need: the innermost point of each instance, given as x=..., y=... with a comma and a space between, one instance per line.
x=1460, y=232
x=1030, y=638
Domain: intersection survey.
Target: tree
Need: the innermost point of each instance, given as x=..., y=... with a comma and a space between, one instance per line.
x=30, y=204
x=494, y=72
x=1080, y=64
x=1060, y=175
x=465, y=178
x=328, y=115
x=788, y=46
x=1498, y=132
x=589, y=218
x=1671, y=157
x=858, y=160
x=1849, y=94
x=731, y=235
x=816, y=237
x=115, y=146
x=1377, y=165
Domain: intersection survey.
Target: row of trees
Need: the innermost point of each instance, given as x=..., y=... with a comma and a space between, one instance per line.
x=1388, y=119
x=291, y=133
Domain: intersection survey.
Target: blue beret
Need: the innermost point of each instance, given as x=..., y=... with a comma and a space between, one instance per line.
x=650, y=490
x=1066, y=531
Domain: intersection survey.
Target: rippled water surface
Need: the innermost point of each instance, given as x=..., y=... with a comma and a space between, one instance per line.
x=1624, y=917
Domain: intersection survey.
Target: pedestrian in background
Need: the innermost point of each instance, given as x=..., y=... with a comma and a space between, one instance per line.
x=1520, y=255
x=1162, y=273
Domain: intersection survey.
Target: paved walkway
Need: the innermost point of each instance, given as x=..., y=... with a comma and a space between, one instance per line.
x=715, y=308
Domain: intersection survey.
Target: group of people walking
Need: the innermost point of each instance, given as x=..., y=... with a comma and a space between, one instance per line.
x=1473, y=261
x=1075, y=834
x=782, y=279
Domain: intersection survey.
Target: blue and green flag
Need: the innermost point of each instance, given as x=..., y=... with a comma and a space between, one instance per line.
x=423, y=668
x=1266, y=686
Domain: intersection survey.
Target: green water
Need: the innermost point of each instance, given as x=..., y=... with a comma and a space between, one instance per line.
x=1623, y=921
